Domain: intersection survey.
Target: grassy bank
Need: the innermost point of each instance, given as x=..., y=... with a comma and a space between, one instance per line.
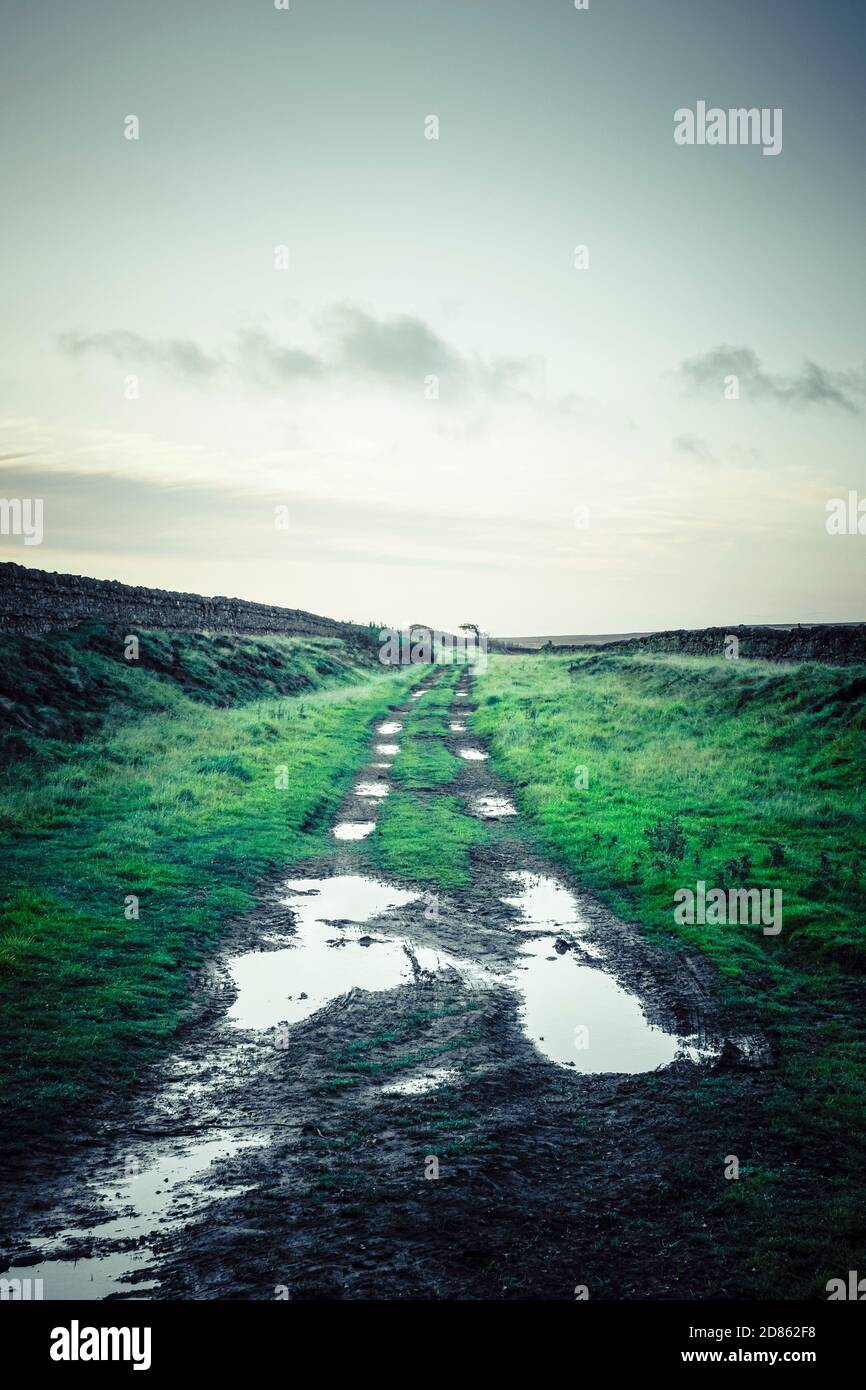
x=65, y=685
x=647, y=774
x=128, y=850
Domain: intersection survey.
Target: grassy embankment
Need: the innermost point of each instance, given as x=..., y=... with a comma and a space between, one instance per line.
x=157, y=780
x=743, y=774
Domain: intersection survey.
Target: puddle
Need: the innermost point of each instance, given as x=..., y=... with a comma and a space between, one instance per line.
x=372, y=789
x=341, y=944
x=390, y=749
x=562, y=996
x=580, y=1017
x=457, y=727
x=391, y=726
x=380, y=764
x=461, y=695
x=472, y=755
x=159, y=1193
x=334, y=950
x=90, y=1278
x=493, y=807
x=416, y=694
x=353, y=830
x=325, y=960
x=545, y=904
x=419, y=1085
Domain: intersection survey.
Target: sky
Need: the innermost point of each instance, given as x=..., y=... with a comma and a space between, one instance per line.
x=284, y=346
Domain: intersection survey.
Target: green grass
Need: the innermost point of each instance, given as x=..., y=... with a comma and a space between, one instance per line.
x=423, y=761
x=759, y=766
x=741, y=774
x=425, y=839
x=422, y=764
x=183, y=809
x=64, y=685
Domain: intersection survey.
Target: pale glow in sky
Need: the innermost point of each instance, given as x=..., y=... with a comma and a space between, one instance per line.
x=564, y=395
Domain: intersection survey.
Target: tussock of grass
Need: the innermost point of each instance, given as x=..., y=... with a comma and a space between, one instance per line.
x=421, y=764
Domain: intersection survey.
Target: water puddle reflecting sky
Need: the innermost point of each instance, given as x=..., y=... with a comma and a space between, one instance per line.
x=545, y=904
x=579, y=1016
x=331, y=953
x=372, y=789
x=353, y=829
x=491, y=807
x=160, y=1188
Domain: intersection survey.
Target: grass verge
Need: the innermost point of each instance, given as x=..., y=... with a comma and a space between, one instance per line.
x=644, y=775
x=127, y=852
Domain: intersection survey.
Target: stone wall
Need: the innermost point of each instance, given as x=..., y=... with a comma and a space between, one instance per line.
x=34, y=601
x=842, y=644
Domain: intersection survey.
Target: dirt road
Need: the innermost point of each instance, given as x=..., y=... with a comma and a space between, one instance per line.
x=387, y=1092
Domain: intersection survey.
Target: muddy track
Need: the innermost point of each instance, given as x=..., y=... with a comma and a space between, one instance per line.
x=383, y=1093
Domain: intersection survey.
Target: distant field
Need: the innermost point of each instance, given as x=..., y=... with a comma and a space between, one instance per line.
x=575, y=639
x=598, y=639
x=836, y=644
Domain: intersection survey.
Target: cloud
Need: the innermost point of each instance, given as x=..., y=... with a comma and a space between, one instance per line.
x=813, y=385
x=397, y=349
x=179, y=355
x=257, y=357
x=401, y=352
x=694, y=445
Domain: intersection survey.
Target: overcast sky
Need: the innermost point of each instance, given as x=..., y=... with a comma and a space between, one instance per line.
x=565, y=395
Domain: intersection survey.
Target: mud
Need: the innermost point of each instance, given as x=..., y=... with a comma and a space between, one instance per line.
x=387, y=1094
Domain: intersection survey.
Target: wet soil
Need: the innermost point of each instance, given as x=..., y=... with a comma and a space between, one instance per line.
x=383, y=1092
